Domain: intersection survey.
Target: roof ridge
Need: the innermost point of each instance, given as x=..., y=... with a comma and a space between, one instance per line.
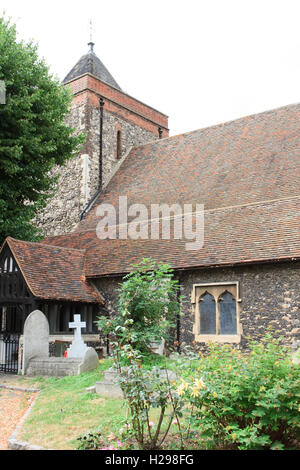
x=226, y=123
x=90, y=277
x=46, y=245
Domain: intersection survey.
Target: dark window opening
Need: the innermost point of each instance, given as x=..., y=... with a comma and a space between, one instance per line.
x=119, y=145
x=207, y=315
x=228, y=322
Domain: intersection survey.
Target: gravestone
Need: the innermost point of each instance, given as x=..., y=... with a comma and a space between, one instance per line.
x=109, y=386
x=158, y=348
x=36, y=360
x=78, y=346
x=36, y=338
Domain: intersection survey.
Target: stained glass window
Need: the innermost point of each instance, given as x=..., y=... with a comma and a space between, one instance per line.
x=207, y=315
x=228, y=324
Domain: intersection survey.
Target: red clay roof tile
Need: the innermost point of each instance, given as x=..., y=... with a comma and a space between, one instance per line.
x=53, y=272
x=245, y=172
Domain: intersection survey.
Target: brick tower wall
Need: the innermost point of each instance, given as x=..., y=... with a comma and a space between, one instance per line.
x=79, y=177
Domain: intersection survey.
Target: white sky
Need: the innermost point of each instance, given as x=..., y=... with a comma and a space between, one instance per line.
x=201, y=62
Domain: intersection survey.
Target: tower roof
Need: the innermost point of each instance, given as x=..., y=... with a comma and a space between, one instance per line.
x=90, y=63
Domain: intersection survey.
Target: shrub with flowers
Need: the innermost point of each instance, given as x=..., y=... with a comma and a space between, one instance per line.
x=246, y=401
x=89, y=441
x=148, y=307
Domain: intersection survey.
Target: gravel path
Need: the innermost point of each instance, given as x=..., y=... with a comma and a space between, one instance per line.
x=13, y=405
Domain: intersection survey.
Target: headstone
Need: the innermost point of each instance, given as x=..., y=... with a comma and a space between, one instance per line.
x=90, y=361
x=158, y=348
x=35, y=338
x=109, y=387
x=78, y=346
x=36, y=360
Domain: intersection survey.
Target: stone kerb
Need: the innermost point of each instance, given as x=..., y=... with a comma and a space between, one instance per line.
x=62, y=366
x=35, y=338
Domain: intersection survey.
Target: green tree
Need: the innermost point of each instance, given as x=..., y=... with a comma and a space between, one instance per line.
x=33, y=134
x=148, y=305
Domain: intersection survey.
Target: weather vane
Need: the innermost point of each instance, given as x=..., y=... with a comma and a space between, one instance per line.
x=91, y=43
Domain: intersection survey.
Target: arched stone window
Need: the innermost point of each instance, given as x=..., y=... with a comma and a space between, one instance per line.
x=217, y=312
x=207, y=314
x=228, y=324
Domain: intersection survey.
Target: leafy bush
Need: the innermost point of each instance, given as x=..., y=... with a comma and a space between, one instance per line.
x=34, y=136
x=147, y=307
x=246, y=401
x=144, y=391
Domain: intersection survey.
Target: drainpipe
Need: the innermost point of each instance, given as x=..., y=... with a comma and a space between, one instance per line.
x=101, y=104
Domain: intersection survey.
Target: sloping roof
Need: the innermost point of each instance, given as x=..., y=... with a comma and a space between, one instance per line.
x=53, y=273
x=90, y=63
x=245, y=172
x=256, y=158
x=255, y=233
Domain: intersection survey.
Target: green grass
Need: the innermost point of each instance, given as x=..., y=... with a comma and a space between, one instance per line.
x=64, y=410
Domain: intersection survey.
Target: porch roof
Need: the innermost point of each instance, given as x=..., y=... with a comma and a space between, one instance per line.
x=53, y=273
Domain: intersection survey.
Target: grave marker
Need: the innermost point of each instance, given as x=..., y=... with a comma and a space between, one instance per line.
x=78, y=346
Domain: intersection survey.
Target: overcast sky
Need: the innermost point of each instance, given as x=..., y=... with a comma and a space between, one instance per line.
x=201, y=62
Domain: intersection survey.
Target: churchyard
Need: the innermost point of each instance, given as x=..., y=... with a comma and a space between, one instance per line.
x=64, y=410
x=84, y=307
x=223, y=398
x=67, y=408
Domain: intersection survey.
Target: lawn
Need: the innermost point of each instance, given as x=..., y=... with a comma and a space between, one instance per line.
x=253, y=397
x=64, y=410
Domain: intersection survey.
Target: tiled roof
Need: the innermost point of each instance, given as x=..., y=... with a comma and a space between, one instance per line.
x=90, y=63
x=53, y=272
x=252, y=159
x=256, y=233
x=245, y=172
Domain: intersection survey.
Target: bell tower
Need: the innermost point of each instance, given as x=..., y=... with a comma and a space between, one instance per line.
x=113, y=122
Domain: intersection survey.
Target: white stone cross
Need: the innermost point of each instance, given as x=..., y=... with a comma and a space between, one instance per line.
x=78, y=347
x=78, y=325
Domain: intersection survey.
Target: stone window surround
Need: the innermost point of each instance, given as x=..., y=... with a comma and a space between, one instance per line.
x=216, y=289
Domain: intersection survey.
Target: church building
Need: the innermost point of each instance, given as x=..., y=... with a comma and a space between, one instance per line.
x=244, y=277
